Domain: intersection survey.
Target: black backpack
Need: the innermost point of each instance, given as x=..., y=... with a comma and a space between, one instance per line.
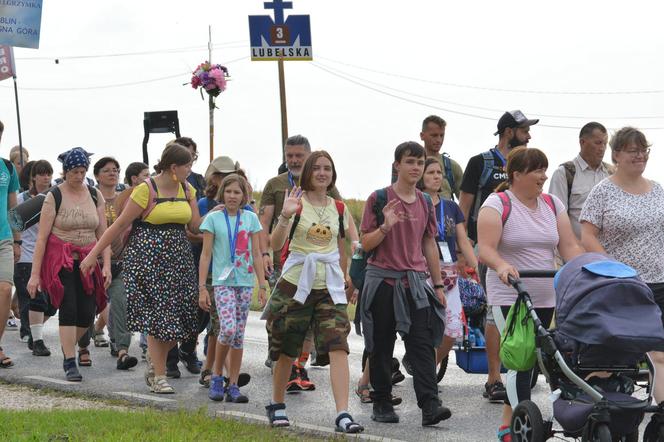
x=57, y=195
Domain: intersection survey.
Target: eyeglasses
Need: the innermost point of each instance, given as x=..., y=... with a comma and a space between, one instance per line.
x=636, y=152
x=114, y=170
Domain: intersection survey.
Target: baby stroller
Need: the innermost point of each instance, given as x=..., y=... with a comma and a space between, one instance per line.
x=606, y=320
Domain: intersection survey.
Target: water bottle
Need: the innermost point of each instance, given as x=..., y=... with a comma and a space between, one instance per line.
x=471, y=337
x=479, y=338
x=359, y=252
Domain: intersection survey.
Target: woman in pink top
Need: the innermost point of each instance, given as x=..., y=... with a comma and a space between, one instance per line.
x=527, y=239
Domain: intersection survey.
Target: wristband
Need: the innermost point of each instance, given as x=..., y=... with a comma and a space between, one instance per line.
x=18, y=242
x=262, y=287
x=202, y=286
x=438, y=286
x=265, y=254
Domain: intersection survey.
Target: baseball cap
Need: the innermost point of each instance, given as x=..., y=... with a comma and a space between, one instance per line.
x=221, y=165
x=514, y=118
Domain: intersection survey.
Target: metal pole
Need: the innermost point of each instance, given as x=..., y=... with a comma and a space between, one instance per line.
x=18, y=120
x=211, y=98
x=284, y=116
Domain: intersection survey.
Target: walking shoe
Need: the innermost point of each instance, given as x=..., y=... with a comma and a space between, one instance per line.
x=161, y=386
x=39, y=349
x=30, y=343
x=406, y=364
x=434, y=413
x=11, y=323
x=305, y=383
x=294, y=380
x=268, y=363
x=99, y=339
x=216, y=392
x=173, y=372
x=276, y=414
x=71, y=370
x=25, y=338
x=190, y=361
x=242, y=379
x=144, y=352
x=384, y=412
x=495, y=392
x=233, y=395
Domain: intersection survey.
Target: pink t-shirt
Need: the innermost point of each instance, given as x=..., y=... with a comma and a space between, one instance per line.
x=401, y=250
x=529, y=241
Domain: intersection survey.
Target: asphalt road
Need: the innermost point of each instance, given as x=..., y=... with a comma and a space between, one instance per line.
x=473, y=418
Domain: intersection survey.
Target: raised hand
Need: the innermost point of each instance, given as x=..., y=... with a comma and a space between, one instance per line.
x=291, y=202
x=392, y=214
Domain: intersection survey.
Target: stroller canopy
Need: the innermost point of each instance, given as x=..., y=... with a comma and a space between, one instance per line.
x=603, y=302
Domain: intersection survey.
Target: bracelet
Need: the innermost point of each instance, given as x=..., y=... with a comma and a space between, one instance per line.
x=265, y=253
x=438, y=286
x=262, y=287
x=18, y=242
x=202, y=286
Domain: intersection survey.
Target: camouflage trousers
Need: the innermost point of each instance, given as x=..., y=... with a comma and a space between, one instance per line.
x=288, y=322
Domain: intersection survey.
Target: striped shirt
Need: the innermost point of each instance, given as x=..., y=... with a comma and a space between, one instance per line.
x=529, y=240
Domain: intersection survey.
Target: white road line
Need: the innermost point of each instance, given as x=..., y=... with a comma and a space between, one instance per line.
x=303, y=426
x=52, y=380
x=143, y=396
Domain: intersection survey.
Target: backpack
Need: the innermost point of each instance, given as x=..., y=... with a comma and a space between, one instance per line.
x=57, y=196
x=285, y=250
x=507, y=204
x=517, y=343
x=8, y=165
x=154, y=199
x=487, y=168
x=358, y=263
x=449, y=175
x=570, y=171
x=472, y=295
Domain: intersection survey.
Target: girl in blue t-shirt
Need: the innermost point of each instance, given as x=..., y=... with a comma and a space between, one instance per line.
x=230, y=241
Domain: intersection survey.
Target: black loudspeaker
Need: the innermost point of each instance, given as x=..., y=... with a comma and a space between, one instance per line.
x=160, y=122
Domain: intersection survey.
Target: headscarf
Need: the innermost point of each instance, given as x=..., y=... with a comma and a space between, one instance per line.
x=75, y=157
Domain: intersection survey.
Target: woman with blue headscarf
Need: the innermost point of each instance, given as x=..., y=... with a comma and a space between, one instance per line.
x=71, y=221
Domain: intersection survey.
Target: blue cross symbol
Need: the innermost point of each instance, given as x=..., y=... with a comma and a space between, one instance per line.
x=278, y=6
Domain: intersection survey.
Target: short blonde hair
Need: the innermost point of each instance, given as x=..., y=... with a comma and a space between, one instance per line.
x=15, y=154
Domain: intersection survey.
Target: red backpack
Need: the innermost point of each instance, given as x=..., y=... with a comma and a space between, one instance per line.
x=285, y=251
x=507, y=204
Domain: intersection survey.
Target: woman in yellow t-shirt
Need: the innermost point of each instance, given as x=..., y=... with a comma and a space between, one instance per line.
x=159, y=272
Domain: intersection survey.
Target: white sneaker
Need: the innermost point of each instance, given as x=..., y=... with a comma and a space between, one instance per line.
x=11, y=323
x=25, y=338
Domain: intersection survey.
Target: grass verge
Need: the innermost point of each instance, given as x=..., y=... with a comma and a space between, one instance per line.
x=143, y=425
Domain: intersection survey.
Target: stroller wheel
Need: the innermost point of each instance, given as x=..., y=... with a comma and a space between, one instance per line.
x=654, y=431
x=527, y=424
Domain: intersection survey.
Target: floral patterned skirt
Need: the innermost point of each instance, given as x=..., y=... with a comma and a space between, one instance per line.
x=160, y=279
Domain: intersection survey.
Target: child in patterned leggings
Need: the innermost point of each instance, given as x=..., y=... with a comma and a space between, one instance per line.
x=228, y=240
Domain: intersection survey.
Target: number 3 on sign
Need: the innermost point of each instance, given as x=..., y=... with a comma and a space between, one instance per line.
x=280, y=35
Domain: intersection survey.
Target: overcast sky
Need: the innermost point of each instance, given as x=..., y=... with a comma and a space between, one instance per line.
x=410, y=59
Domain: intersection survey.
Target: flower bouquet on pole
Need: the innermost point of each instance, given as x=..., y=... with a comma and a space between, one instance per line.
x=212, y=78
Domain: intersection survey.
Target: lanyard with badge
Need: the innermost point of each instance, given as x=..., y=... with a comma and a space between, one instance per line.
x=444, y=248
x=291, y=180
x=232, y=240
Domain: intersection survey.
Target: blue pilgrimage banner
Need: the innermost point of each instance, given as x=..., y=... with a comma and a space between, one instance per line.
x=20, y=23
